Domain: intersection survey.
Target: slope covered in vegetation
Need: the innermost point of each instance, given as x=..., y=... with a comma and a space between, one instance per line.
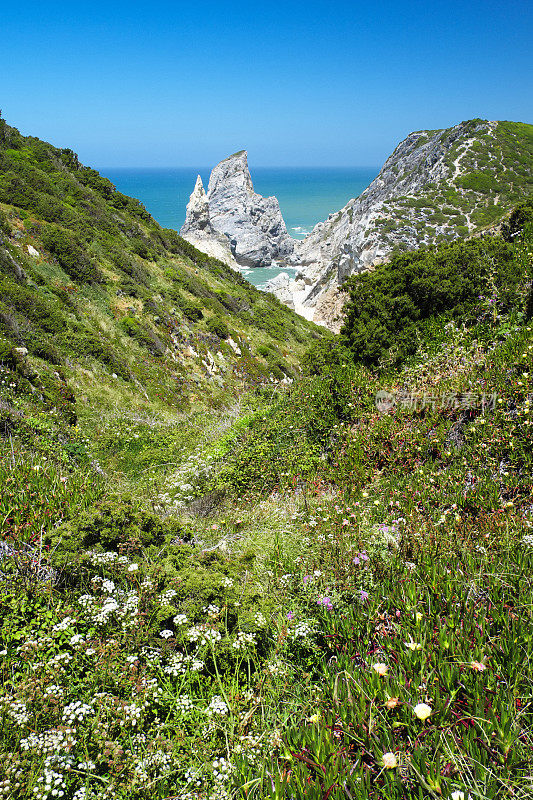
x=247, y=588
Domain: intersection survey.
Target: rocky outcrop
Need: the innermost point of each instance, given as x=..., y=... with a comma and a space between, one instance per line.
x=199, y=231
x=435, y=187
x=252, y=225
x=428, y=191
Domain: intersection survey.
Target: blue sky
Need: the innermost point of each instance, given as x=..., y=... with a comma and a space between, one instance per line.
x=178, y=84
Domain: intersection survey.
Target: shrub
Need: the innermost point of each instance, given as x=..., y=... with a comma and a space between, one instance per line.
x=69, y=254
x=217, y=327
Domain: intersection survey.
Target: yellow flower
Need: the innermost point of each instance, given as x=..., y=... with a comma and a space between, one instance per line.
x=418, y=616
x=413, y=645
x=389, y=760
x=314, y=718
x=422, y=711
x=381, y=669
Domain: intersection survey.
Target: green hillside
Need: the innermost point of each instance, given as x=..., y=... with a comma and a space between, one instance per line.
x=241, y=557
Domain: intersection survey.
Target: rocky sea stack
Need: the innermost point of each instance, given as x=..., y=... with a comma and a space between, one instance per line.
x=251, y=225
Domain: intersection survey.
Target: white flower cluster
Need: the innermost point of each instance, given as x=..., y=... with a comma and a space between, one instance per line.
x=217, y=706
x=179, y=664
x=528, y=540
x=166, y=634
x=211, y=611
x=166, y=597
x=48, y=742
x=250, y=746
x=203, y=635
x=181, y=488
x=244, y=640
x=132, y=714
x=184, y=703
x=50, y=784
x=302, y=630
x=60, y=660
x=106, y=559
x=124, y=605
x=228, y=582
x=151, y=654
x=159, y=760
x=15, y=709
x=77, y=712
x=181, y=619
x=54, y=691
x=260, y=620
x=286, y=579
x=276, y=667
x=76, y=639
x=221, y=769
x=88, y=766
x=65, y=623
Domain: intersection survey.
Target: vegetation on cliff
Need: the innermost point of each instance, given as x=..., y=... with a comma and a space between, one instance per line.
x=217, y=584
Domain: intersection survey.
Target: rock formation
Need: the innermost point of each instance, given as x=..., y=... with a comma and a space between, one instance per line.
x=198, y=230
x=251, y=224
x=435, y=187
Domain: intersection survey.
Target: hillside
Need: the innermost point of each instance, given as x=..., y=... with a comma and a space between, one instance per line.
x=114, y=309
x=217, y=582
x=436, y=186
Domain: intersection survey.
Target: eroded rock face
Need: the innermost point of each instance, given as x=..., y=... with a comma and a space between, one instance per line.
x=251, y=224
x=198, y=230
x=390, y=213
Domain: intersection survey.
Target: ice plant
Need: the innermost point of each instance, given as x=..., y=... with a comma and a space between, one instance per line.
x=381, y=669
x=389, y=761
x=422, y=711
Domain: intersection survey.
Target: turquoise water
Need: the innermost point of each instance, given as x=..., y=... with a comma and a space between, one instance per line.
x=306, y=195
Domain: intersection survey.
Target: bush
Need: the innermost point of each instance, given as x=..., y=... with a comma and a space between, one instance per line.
x=116, y=524
x=387, y=307
x=217, y=327
x=69, y=255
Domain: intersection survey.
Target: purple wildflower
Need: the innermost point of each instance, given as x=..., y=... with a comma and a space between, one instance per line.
x=326, y=602
x=364, y=595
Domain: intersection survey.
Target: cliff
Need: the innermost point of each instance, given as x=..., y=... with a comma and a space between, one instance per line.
x=436, y=186
x=252, y=225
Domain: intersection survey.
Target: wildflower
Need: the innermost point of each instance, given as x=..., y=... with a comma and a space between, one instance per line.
x=413, y=645
x=180, y=619
x=166, y=634
x=133, y=567
x=381, y=669
x=290, y=615
x=478, y=666
x=389, y=761
x=314, y=717
x=326, y=602
x=458, y=795
x=422, y=711
x=418, y=616
x=363, y=595
x=392, y=702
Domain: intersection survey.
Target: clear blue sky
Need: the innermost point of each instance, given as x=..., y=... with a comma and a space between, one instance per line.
x=178, y=84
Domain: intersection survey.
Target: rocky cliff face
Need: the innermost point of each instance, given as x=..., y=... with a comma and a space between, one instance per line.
x=251, y=225
x=199, y=231
x=435, y=187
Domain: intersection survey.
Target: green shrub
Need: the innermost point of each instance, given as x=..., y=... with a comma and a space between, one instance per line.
x=70, y=255
x=387, y=306
x=217, y=327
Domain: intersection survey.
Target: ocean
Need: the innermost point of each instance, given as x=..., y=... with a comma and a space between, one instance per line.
x=306, y=195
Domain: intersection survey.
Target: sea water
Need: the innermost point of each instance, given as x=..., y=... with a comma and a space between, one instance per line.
x=306, y=195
